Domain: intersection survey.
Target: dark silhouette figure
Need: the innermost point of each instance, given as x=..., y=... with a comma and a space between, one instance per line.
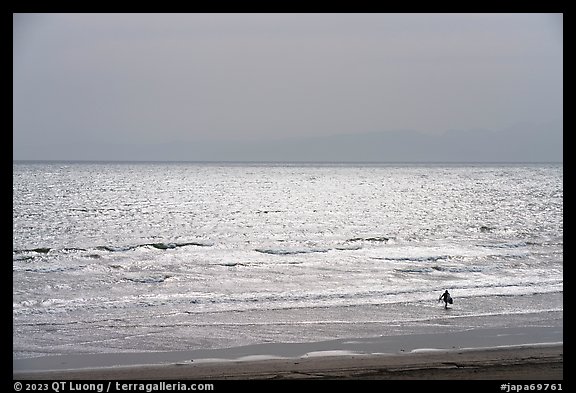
x=446, y=297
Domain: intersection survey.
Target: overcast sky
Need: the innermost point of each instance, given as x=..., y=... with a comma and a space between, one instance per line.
x=193, y=86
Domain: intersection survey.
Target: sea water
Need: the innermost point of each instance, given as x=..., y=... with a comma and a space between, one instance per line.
x=128, y=257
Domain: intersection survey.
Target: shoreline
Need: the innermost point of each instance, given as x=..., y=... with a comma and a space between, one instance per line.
x=539, y=362
x=514, y=353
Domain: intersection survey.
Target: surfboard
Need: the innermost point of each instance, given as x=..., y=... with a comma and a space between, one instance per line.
x=450, y=301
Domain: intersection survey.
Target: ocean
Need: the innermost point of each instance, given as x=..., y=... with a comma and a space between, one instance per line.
x=144, y=256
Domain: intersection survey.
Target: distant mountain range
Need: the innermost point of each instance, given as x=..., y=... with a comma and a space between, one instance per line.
x=517, y=144
x=541, y=145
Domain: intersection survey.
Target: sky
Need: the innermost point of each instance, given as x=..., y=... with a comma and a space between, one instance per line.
x=314, y=87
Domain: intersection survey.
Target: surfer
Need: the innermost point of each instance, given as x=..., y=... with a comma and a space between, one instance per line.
x=446, y=297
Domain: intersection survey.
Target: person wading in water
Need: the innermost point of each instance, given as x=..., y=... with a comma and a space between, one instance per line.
x=446, y=297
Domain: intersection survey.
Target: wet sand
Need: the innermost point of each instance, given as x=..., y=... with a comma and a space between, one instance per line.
x=529, y=353
x=513, y=363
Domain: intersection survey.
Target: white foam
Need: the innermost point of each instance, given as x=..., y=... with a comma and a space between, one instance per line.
x=421, y=350
x=329, y=353
x=257, y=358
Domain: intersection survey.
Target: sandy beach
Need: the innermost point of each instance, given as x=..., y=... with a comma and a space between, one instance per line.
x=528, y=353
x=524, y=363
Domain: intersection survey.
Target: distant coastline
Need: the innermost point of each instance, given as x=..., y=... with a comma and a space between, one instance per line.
x=536, y=143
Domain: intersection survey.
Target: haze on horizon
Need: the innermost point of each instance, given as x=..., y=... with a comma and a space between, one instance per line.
x=313, y=87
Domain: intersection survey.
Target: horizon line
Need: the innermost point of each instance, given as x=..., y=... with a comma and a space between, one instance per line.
x=279, y=161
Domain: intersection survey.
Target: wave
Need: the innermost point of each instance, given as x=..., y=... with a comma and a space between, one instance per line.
x=39, y=250
x=273, y=300
x=508, y=245
x=233, y=264
x=46, y=250
x=30, y=253
x=148, y=279
x=433, y=258
x=284, y=251
x=378, y=239
x=438, y=268
x=352, y=244
x=159, y=246
x=48, y=269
